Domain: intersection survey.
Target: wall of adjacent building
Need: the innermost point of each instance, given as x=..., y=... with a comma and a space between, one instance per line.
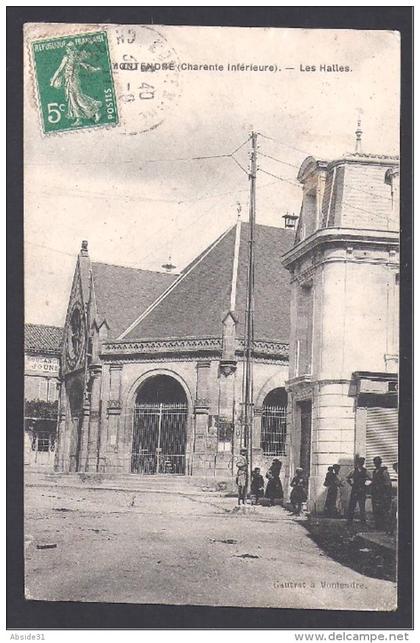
x=344, y=318
x=42, y=384
x=41, y=377
x=355, y=328
x=356, y=318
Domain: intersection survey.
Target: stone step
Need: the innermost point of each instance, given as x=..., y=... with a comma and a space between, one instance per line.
x=129, y=482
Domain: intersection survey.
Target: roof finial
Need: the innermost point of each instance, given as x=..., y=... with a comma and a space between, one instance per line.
x=359, y=133
x=84, y=249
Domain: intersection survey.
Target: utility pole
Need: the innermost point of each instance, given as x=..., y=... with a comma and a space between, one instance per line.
x=248, y=407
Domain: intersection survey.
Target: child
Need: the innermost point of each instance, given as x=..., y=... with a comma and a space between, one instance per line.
x=242, y=475
x=257, y=484
x=298, y=495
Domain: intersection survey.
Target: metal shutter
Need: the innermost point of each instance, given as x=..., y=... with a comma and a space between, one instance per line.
x=382, y=436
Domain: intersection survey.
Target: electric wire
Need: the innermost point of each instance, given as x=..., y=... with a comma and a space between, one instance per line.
x=268, y=156
x=281, y=178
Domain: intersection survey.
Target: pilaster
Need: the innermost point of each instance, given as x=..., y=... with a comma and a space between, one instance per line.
x=95, y=371
x=110, y=427
x=84, y=435
x=256, y=435
x=201, y=414
x=61, y=460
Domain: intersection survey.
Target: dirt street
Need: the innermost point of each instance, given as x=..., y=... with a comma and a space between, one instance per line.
x=185, y=548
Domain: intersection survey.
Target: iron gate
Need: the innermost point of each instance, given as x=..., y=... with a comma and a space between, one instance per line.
x=159, y=438
x=273, y=430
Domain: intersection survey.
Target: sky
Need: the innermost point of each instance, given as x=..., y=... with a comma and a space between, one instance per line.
x=138, y=193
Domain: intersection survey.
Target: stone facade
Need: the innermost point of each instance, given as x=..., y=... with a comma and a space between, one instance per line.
x=106, y=423
x=344, y=312
x=111, y=379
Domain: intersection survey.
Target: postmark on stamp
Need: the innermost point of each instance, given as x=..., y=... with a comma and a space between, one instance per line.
x=74, y=82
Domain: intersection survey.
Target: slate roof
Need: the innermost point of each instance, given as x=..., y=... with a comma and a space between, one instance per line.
x=198, y=300
x=43, y=339
x=122, y=293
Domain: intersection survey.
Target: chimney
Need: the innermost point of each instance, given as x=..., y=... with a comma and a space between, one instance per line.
x=290, y=221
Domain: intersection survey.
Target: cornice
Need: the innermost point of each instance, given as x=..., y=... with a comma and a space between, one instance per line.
x=340, y=236
x=266, y=347
x=44, y=353
x=366, y=159
x=187, y=345
x=165, y=345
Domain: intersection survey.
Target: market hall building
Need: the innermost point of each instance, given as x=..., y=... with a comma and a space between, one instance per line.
x=152, y=363
x=344, y=268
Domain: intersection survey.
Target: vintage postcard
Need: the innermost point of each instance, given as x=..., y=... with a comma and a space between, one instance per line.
x=212, y=315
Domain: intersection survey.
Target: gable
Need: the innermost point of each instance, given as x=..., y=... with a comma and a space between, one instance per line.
x=74, y=335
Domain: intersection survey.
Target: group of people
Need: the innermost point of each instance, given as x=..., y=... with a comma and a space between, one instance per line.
x=378, y=485
x=273, y=489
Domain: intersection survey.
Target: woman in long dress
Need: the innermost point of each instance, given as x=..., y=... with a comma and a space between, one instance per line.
x=79, y=105
x=274, y=489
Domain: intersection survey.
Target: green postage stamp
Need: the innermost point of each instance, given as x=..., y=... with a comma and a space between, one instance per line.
x=74, y=82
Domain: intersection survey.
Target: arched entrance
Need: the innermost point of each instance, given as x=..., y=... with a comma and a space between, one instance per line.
x=273, y=422
x=159, y=427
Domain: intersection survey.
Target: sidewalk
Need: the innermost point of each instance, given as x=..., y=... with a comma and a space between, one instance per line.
x=378, y=539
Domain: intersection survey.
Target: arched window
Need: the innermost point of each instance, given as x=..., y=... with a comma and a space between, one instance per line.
x=273, y=425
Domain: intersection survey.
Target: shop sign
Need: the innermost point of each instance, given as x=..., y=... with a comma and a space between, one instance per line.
x=372, y=386
x=42, y=365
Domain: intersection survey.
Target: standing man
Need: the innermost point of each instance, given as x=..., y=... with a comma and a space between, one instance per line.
x=357, y=480
x=242, y=475
x=393, y=512
x=381, y=489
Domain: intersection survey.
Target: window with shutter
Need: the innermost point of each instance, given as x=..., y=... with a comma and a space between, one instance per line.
x=382, y=436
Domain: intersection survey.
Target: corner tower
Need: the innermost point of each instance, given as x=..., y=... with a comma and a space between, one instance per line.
x=344, y=316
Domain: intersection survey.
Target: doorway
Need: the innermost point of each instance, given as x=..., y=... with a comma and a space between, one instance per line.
x=160, y=427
